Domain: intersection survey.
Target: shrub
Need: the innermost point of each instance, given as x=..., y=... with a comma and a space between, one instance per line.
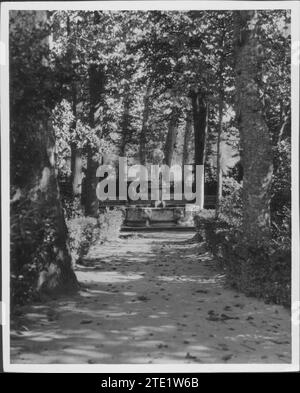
x=110, y=222
x=86, y=231
x=202, y=220
x=72, y=207
x=26, y=234
x=83, y=232
x=281, y=182
x=263, y=270
x=33, y=240
x=22, y=286
x=281, y=228
x=231, y=204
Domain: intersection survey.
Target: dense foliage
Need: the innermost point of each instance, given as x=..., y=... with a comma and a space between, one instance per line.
x=84, y=232
x=98, y=85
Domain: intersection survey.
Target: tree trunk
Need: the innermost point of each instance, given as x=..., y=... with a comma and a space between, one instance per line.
x=91, y=201
x=41, y=231
x=220, y=115
x=255, y=138
x=171, y=137
x=200, y=117
x=76, y=162
x=187, y=153
x=57, y=275
x=125, y=123
x=219, y=157
x=96, y=91
x=76, y=159
x=145, y=124
x=285, y=121
x=219, y=152
x=76, y=168
x=96, y=85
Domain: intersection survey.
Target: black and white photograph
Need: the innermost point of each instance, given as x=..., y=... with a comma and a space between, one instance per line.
x=150, y=197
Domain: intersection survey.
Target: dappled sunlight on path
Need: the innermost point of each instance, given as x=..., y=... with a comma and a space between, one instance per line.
x=151, y=298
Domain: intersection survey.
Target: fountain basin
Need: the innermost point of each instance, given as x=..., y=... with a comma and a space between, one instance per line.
x=137, y=216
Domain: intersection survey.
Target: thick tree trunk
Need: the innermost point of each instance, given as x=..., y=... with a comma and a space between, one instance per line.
x=255, y=138
x=171, y=137
x=42, y=243
x=57, y=275
x=200, y=118
x=144, y=130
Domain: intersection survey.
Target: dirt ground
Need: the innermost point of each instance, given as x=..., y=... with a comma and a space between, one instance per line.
x=151, y=298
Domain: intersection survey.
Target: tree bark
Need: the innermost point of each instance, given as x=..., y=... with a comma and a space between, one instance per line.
x=220, y=115
x=57, y=276
x=96, y=92
x=76, y=159
x=219, y=157
x=219, y=151
x=41, y=232
x=125, y=123
x=96, y=86
x=285, y=121
x=144, y=130
x=171, y=137
x=76, y=168
x=91, y=201
x=188, y=149
x=200, y=118
x=255, y=138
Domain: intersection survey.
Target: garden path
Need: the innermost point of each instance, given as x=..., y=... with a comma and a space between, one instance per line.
x=152, y=297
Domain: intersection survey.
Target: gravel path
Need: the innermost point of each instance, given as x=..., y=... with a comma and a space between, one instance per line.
x=151, y=298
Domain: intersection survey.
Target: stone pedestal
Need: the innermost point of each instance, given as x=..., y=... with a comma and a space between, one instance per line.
x=161, y=216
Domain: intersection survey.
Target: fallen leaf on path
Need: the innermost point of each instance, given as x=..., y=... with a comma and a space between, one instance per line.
x=226, y=357
x=143, y=298
x=191, y=357
x=278, y=341
x=226, y=317
x=160, y=346
x=214, y=318
x=202, y=291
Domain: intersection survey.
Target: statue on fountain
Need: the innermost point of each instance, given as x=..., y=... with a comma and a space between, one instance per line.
x=158, y=157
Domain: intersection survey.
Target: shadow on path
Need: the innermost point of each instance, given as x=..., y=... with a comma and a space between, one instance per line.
x=151, y=298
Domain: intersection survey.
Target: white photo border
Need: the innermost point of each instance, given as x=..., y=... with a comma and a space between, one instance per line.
x=294, y=6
